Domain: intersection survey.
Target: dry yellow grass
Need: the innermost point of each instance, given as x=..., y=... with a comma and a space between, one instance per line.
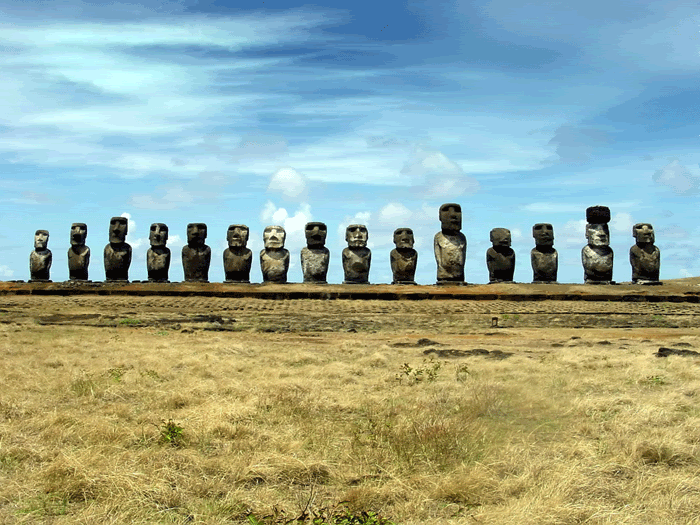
x=594, y=429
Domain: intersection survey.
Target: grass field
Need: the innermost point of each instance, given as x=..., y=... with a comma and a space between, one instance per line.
x=132, y=421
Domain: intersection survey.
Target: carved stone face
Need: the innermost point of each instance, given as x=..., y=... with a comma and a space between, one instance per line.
x=543, y=234
x=500, y=237
x=274, y=237
x=158, y=235
x=196, y=233
x=41, y=240
x=598, y=234
x=643, y=233
x=237, y=236
x=78, y=234
x=356, y=235
x=403, y=238
x=451, y=216
x=315, y=234
x=118, y=227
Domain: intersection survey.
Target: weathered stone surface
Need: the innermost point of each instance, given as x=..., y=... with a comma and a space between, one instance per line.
x=78, y=253
x=238, y=258
x=117, y=254
x=158, y=255
x=274, y=259
x=598, y=215
x=543, y=257
x=315, y=257
x=645, y=258
x=196, y=255
x=597, y=256
x=357, y=258
x=403, y=258
x=500, y=258
x=450, y=245
x=40, y=259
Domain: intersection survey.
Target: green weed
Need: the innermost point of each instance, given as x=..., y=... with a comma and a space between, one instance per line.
x=171, y=433
x=129, y=322
x=428, y=372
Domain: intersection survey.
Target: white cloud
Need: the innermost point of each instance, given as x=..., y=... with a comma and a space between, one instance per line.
x=685, y=273
x=131, y=223
x=289, y=182
x=163, y=199
x=293, y=224
x=678, y=178
x=394, y=214
x=175, y=241
x=572, y=234
x=267, y=212
x=5, y=271
x=437, y=175
x=622, y=223
x=576, y=145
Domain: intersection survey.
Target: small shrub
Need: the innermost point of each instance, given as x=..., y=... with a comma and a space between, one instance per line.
x=171, y=433
x=428, y=371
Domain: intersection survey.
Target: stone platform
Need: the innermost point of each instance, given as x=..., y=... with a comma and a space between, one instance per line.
x=675, y=291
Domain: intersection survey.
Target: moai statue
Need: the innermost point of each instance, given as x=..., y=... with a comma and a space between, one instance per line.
x=117, y=254
x=645, y=258
x=403, y=258
x=597, y=256
x=196, y=256
x=158, y=255
x=315, y=256
x=450, y=246
x=274, y=259
x=500, y=258
x=544, y=258
x=237, y=257
x=78, y=253
x=40, y=258
x=356, y=257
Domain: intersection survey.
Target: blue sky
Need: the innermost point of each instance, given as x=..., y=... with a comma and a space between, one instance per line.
x=280, y=112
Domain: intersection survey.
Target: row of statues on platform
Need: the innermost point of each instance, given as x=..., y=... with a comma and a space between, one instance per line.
x=450, y=253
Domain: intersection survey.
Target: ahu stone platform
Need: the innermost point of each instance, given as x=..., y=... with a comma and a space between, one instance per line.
x=677, y=291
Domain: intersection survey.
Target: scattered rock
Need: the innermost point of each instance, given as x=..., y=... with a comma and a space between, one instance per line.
x=665, y=352
x=421, y=342
x=476, y=352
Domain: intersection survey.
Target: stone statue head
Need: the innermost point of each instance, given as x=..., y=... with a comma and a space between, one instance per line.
x=196, y=234
x=315, y=234
x=356, y=235
x=237, y=235
x=543, y=234
x=41, y=240
x=403, y=238
x=451, y=216
x=118, y=228
x=598, y=234
x=158, y=235
x=500, y=237
x=643, y=233
x=274, y=237
x=78, y=234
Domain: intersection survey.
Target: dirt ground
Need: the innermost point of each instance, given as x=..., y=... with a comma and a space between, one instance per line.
x=549, y=396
